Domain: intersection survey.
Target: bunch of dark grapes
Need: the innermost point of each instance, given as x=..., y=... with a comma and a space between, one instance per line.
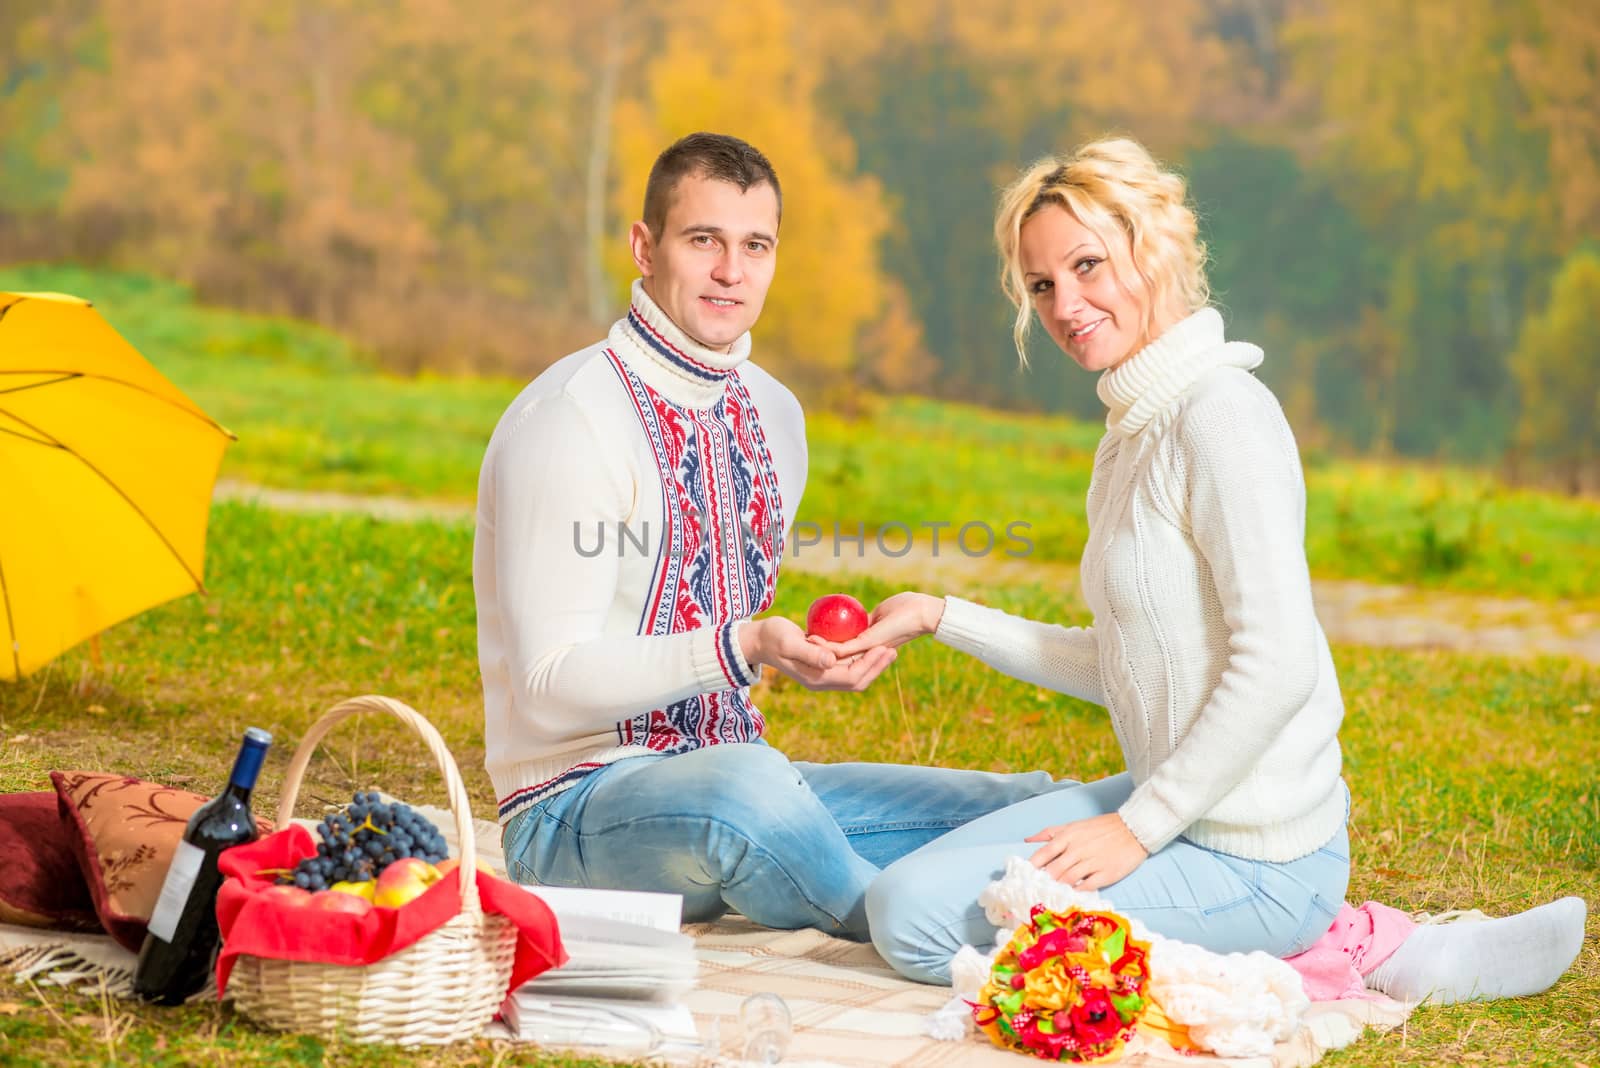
x=365, y=838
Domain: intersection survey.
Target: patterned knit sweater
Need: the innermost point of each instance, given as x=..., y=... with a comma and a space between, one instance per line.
x=1205, y=647
x=632, y=508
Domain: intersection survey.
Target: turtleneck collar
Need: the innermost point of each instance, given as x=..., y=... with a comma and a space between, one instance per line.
x=1145, y=384
x=668, y=360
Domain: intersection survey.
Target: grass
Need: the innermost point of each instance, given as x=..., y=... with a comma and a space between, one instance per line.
x=312, y=412
x=1474, y=777
x=310, y=409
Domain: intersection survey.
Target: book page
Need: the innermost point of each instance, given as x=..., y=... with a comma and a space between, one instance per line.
x=660, y=912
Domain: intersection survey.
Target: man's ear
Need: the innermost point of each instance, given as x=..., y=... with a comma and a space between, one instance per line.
x=642, y=244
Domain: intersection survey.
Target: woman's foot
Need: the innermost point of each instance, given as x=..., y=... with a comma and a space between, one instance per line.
x=1503, y=958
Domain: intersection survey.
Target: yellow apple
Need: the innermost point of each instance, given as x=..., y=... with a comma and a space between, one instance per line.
x=403, y=881
x=364, y=890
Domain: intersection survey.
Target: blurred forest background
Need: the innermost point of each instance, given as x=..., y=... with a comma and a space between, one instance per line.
x=1402, y=200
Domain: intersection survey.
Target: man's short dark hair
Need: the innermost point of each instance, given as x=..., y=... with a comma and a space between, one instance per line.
x=708, y=155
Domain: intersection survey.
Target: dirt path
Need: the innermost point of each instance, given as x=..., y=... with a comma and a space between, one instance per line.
x=1350, y=611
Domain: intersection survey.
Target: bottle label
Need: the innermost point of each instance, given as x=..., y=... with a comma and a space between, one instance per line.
x=180, y=879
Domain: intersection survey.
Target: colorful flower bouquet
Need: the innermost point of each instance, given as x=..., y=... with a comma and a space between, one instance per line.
x=1069, y=986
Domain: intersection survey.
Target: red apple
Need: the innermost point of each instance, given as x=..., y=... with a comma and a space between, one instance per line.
x=340, y=902
x=838, y=617
x=287, y=896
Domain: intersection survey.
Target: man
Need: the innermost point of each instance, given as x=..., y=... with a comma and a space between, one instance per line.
x=631, y=516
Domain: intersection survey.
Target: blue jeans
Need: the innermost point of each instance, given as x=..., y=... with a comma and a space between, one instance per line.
x=925, y=907
x=788, y=844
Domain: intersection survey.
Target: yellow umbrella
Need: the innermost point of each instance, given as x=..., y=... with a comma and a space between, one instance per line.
x=106, y=471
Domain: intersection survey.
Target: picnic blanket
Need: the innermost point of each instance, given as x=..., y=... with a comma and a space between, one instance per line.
x=849, y=1008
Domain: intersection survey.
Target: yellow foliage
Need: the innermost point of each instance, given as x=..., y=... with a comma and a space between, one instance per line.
x=744, y=77
x=1558, y=66
x=896, y=358
x=1144, y=69
x=1557, y=365
x=206, y=113
x=1416, y=111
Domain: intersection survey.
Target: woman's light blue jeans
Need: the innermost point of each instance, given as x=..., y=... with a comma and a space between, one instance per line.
x=788, y=844
x=925, y=907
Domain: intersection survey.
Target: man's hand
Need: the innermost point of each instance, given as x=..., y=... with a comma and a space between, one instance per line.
x=898, y=620
x=780, y=643
x=1088, y=854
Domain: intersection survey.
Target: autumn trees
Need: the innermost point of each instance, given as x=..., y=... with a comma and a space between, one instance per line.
x=1389, y=191
x=1557, y=365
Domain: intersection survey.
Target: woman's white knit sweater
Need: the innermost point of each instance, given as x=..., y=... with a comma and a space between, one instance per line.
x=1205, y=647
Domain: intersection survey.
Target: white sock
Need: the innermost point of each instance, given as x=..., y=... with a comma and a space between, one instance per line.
x=1502, y=958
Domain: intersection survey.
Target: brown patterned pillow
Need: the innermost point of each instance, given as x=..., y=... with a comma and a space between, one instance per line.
x=123, y=833
x=40, y=884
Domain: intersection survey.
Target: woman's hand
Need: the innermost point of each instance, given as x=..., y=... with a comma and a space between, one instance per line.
x=1088, y=854
x=896, y=621
x=779, y=642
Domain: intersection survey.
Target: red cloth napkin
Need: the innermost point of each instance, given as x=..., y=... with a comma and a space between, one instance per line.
x=269, y=928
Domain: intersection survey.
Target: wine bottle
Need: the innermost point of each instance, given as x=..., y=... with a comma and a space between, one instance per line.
x=176, y=958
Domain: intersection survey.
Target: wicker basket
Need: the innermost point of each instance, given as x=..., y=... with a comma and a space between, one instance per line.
x=443, y=988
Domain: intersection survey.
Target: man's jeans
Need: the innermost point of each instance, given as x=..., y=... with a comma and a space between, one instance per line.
x=788, y=844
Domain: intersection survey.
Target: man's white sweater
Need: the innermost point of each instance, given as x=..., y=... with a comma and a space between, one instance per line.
x=632, y=508
x=1205, y=647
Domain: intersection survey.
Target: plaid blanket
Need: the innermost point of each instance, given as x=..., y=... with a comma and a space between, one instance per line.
x=851, y=1009
x=848, y=1007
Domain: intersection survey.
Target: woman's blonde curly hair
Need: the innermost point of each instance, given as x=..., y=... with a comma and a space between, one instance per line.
x=1116, y=189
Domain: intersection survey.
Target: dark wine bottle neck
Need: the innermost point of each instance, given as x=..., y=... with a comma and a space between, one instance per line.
x=238, y=792
x=247, y=765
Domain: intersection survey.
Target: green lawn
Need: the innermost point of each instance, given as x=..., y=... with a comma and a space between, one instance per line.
x=311, y=413
x=1474, y=777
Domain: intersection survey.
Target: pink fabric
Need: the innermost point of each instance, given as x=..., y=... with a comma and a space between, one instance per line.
x=1359, y=940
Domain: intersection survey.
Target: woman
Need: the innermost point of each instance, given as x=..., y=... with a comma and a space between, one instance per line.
x=1228, y=828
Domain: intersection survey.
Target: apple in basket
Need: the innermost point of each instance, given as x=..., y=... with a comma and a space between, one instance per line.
x=450, y=864
x=340, y=902
x=405, y=880
x=291, y=897
x=837, y=617
x=364, y=889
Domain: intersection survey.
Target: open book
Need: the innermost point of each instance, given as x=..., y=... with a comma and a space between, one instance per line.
x=629, y=966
